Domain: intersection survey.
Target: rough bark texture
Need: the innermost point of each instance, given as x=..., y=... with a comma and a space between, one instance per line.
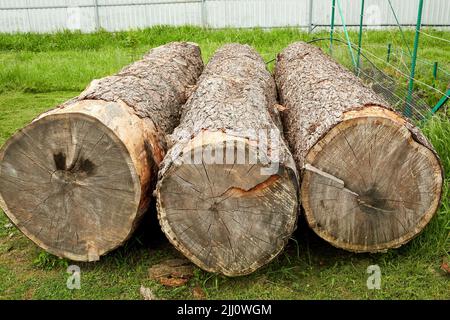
x=235, y=213
x=371, y=181
x=78, y=178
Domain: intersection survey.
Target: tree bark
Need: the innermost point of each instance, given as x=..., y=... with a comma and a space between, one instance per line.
x=79, y=177
x=227, y=196
x=370, y=179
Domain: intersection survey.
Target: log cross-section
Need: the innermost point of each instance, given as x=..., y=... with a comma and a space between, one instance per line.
x=227, y=196
x=371, y=180
x=77, y=179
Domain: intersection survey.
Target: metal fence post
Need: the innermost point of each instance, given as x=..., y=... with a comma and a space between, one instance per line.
x=388, y=56
x=441, y=102
x=310, y=18
x=97, y=16
x=204, y=17
x=361, y=19
x=408, y=110
x=435, y=70
x=333, y=6
x=349, y=43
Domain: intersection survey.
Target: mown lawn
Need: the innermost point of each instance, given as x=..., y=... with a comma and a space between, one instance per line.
x=40, y=71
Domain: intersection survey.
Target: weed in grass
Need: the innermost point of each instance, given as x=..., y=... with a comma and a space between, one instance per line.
x=48, y=261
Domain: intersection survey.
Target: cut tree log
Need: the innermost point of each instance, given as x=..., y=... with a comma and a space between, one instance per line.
x=79, y=177
x=226, y=195
x=371, y=180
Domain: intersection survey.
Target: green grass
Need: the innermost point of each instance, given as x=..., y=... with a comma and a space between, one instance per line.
x=39, y=71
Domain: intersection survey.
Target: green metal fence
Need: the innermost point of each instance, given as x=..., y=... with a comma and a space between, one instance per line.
x=407, y=100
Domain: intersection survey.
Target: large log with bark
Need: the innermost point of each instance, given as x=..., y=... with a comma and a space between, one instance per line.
x=77, y=179
x=227, y=189
x=371, y=180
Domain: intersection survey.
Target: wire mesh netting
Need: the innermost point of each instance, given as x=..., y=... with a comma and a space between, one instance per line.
x=387, y=68
x=395, y=90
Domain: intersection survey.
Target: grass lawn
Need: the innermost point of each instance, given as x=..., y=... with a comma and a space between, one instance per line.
x=39, y=71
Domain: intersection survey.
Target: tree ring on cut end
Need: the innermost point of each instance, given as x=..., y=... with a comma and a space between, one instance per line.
x=385, y=185
x=227, y=216
x=69, y=184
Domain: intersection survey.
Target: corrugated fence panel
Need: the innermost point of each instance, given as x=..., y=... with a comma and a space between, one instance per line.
x=379, y=12
x=113, y=18
x=113, y=15
x=256, y=13
x=436, y=12
x=46, y=15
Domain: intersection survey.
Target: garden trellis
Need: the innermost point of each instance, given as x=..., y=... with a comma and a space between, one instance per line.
x=382, y=72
